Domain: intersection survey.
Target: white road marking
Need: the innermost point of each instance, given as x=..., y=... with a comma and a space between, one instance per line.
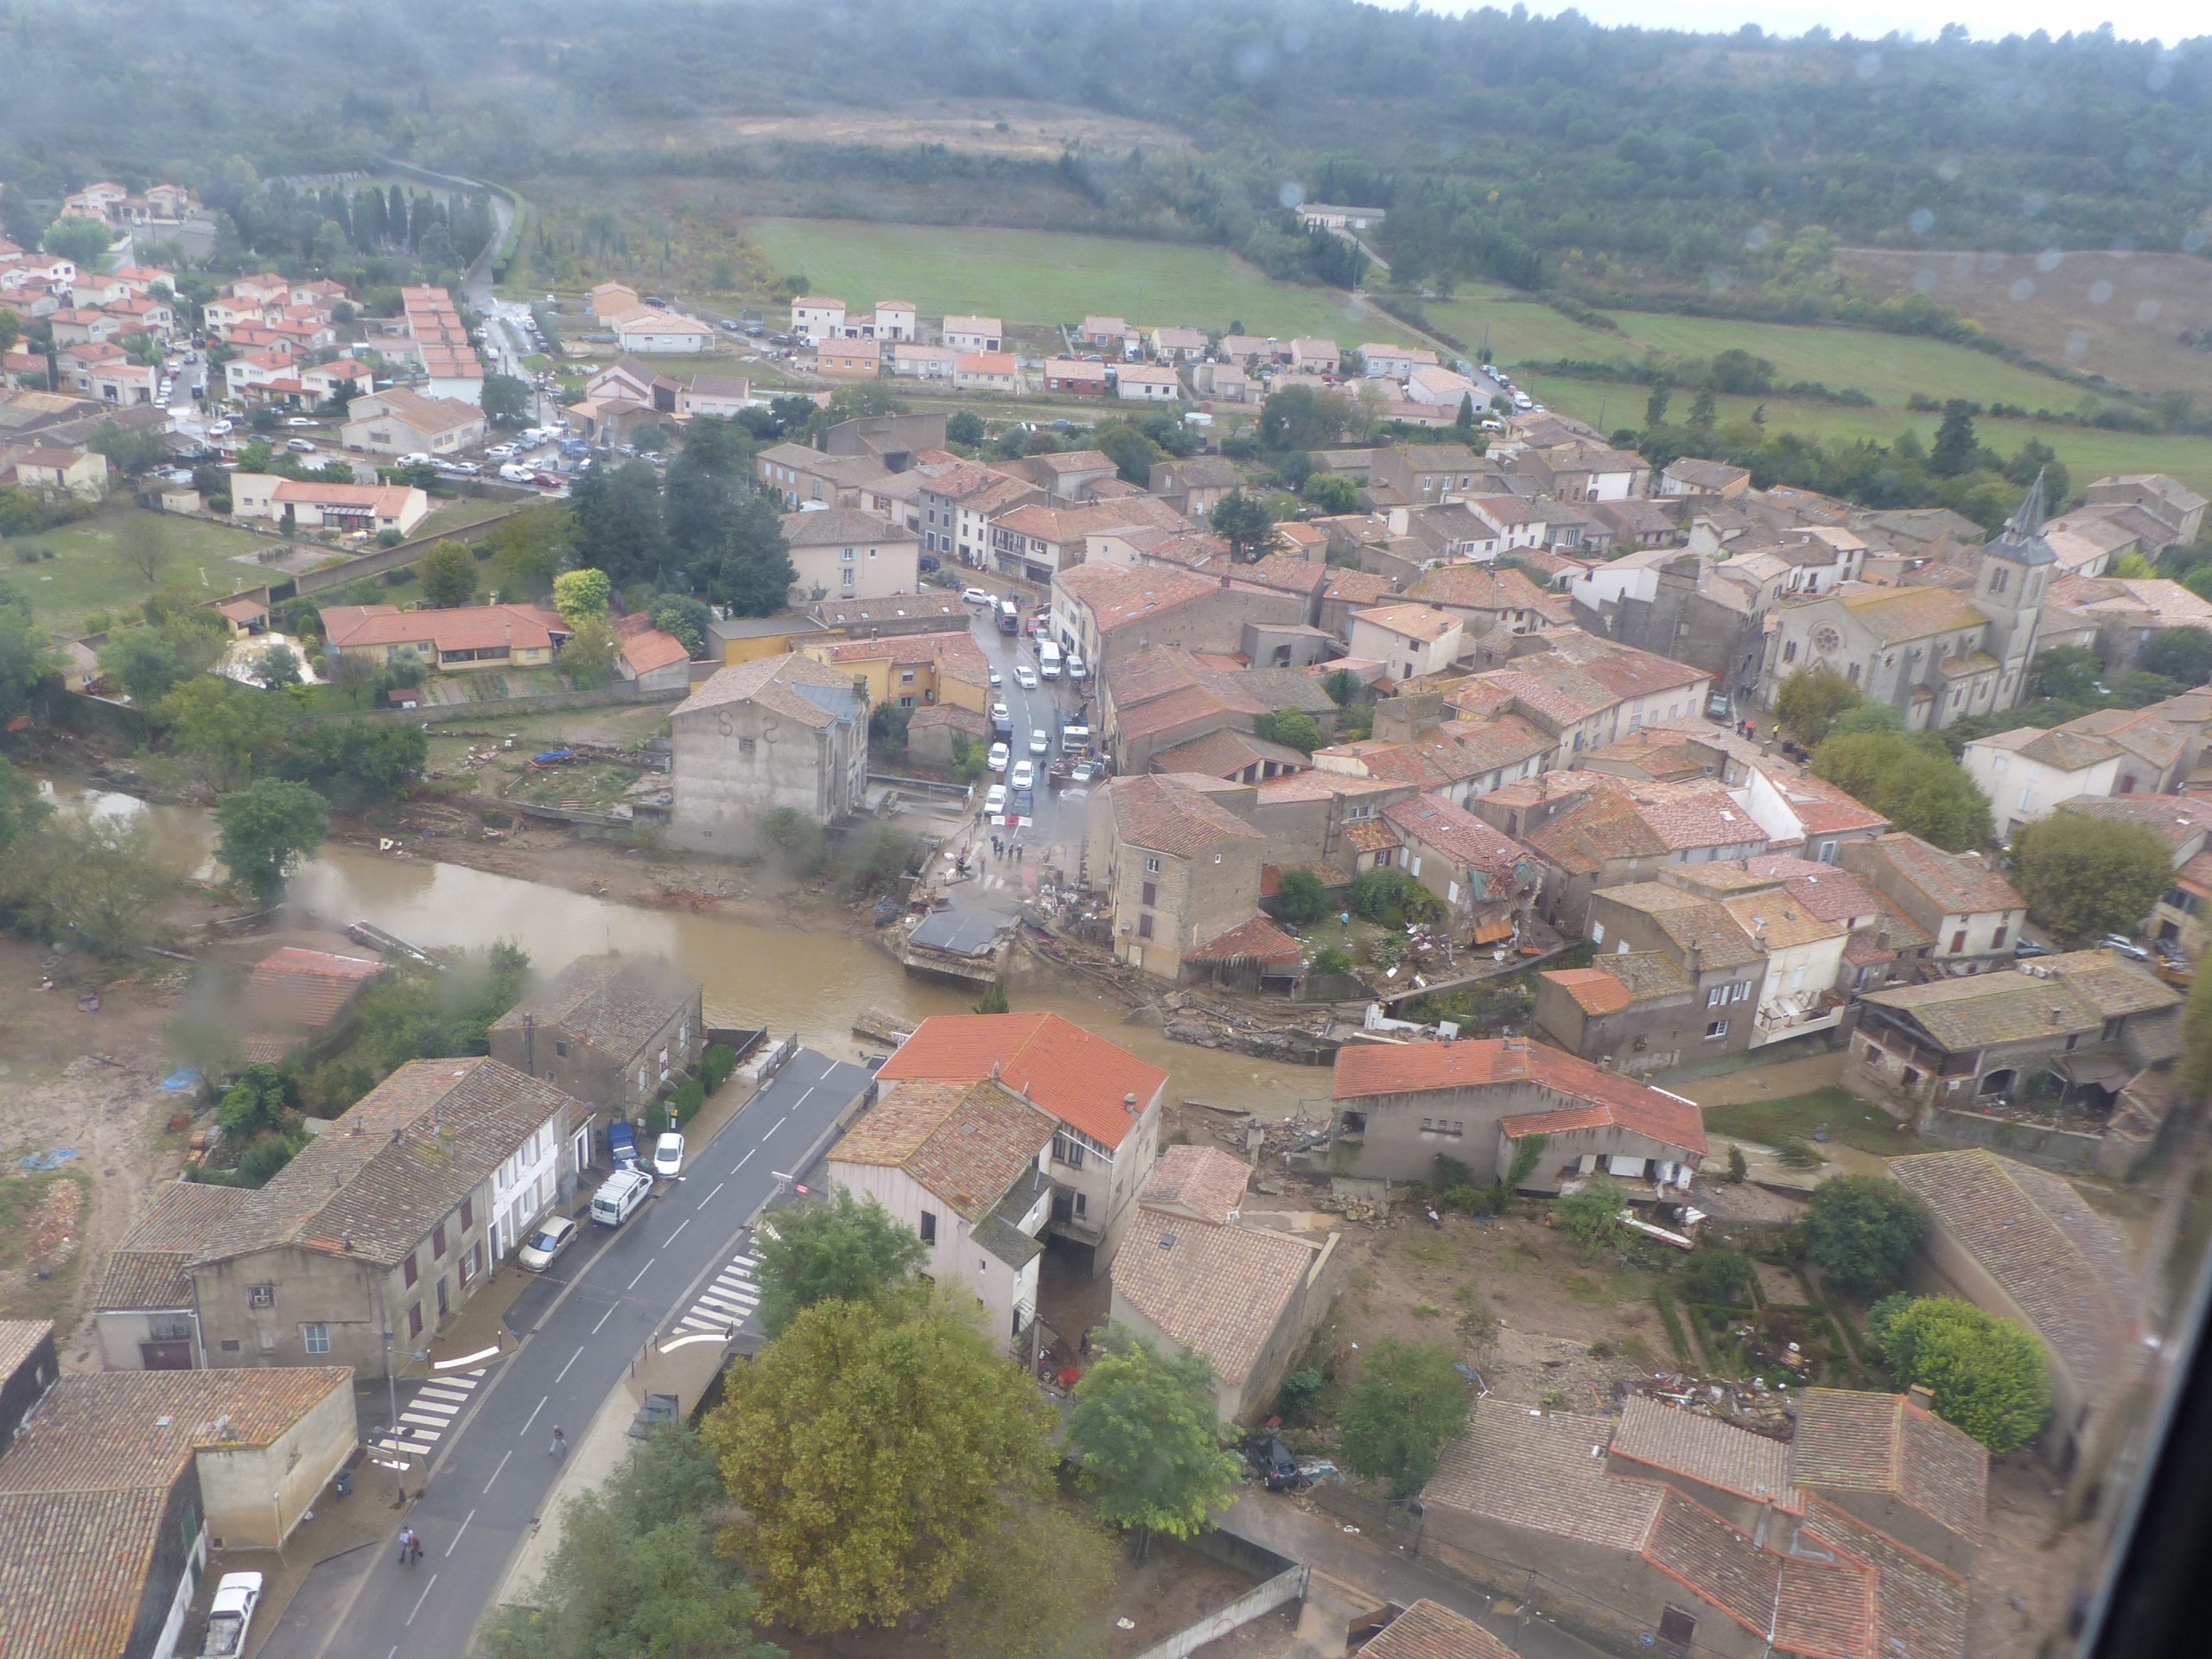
x=420, y=1600
x=532, y=1418
x=670, y=1239
x=743, y=1161
x=605, y=1316
x=640, y=1273
x=462, y=1527
x=710, y=1197
x=503, y=1464
x=563, y=1371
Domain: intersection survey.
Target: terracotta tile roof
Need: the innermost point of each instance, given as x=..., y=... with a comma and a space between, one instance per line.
x=1203, y=1182
x=468, y=627
x=1259, y=938
x=1459, y=836
x=1079, y=1077
x=2068, y=1269
x=1372, y=835
x=1691, y=920
x=1703, y=1448
x=966, y=1142
x=1157, y=812
x=1219, y=1289
x=1542, y=1473
x=1223, y=753
x=1288, y=572
x=2066, y=751
x=614, y=1002
x=1428, y=1630
x=2072, y=994
x=1593, y=991
x=2177, y=818
x=1356, y=587
x=401, y=1159
x=148, y=1267
x=1823, y=808
x=1897, y=614
x=783, y=684
x=1776, y=920
x=1622, y=669
x=19, y=1340
x=75, y=1570
x=841, y=527
x=1690, y=1543
x=1827, y=890
x=305, y=990
x=1116, y=598
x=1419, y=623
x=1365, y=1071
x=646, y=648
x=1480, y=587
x=1882, y=1443
x=2141, y=732
x=1954, y=883
x=1920, y=1608
x=1318, y=785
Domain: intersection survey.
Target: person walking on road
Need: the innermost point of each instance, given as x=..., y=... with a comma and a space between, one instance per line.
x=414, y=1546
x=560, y=1448
x=410, y=1549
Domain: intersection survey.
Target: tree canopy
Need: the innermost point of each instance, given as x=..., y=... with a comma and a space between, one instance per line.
x=1862, y=1230
x=1911, y=780
x=1243, y=522
x=873, y=1446
x=2086, y=877
x=1809, y=701
x=843, y=1249
x=1409, y=1400
x=1145, y=1440
x=1987, y=1374
x=266, y=829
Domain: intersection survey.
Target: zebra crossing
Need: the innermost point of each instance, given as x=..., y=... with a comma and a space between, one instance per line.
x=727, y=1303
x=429, y=1415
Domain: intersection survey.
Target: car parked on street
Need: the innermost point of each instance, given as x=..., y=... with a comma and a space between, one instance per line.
x=1024, y=775
x=995, y=801
x=1038, y=742
x=668, y=1156
x=298, y=420
x=549, y=1240
x=1025, y=676
x=1000, y=756
x=975, y=596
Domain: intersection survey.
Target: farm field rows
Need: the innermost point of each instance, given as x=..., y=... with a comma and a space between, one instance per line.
x=90, y=569
x=2089, y=452
x=1050, y=277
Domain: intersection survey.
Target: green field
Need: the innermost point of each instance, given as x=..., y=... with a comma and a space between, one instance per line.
x=2087, y=451
x=1886, y=367
x=1048, y=277
x=90, y=569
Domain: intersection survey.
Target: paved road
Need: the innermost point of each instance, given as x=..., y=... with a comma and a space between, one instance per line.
x=1056, y=835
x=494, y=1470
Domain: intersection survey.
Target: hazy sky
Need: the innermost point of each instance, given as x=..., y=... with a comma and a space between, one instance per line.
x=2164, y=20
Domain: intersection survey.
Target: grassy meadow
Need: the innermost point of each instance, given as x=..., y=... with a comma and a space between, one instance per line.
x=90, y=569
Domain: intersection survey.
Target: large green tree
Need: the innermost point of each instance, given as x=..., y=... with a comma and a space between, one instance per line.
x=1293, y=727
x=616, y=512
x=2086, y=877
x=229, y=730
x=636, y=1574
x=1910, y=780
x=264, y=830
x=753, y=573
x=2182, y=654
x=1042, y=1588
x=708, y=476
x=1861, y=1230
x=26, y=657
x=1809, y=701
x=355, y=766
x=843, y=1249
x=1242, y=521
x=447, y=573
x=1145, y=1440
x=873, y=1447
x=1410, y=1399
x=505, y=400
x=528, y=548
x=95, y=882
x=581, y=594
x=1987, y=1374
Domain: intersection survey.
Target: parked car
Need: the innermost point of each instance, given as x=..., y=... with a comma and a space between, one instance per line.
x=996, y=679
x=298, y=420
x=1038, y=742
x=995, y=801
x=1024, y=775
x=299, y=445
x=537, y=1253
x=622, y=1145
x=668, y=1156
x=998, y=758
x=619, y=1196
x=546, y=480
x=1272, y=1462
x=2023, y=949
x=2126, y=947
x=230, y=1615
x=216, y=429
x=1025, y=676
x=975, y=596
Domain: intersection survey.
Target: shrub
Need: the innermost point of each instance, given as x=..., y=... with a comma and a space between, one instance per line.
x=1719, y=1274
x=716, y=1064
x=1862, y=1230
x=685, y=1101
x=1299, y=1392
x=1329, y=961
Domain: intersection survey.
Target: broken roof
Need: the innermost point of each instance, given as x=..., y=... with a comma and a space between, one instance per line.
x=1366, y=1070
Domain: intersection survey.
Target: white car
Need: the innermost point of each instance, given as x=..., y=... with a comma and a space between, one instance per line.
x=299, y=445
x=216, y=429
x=668, y=1156
x=975, y=596
x=995, y=801
x=299, y=420
x=539, y=1250
x=1076, y=669
x=1025, y=676
x=1000, y=756
x=996, y=679
x=1024, y=775
x=230, y=1615
x=1038, y=743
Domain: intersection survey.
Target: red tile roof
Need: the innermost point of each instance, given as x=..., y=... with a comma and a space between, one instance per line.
x=1368, y=1070
x=1258, y=937
x=305, y=989
x=1079, y=1077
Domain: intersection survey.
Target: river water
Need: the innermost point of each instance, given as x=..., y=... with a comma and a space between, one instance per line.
x=785, y=979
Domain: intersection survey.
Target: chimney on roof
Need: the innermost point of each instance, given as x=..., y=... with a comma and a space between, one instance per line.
x=1129, y=1104
x=1922, y=1395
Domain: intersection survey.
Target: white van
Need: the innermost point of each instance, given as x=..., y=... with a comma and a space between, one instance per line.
x=1048, y=659
x=619, y=1196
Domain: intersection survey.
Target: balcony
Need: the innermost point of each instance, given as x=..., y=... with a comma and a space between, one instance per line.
x=1796, y=1017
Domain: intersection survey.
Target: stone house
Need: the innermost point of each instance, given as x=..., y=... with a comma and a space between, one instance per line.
x=776, y=732
x=1194, y=1276
x=615, y=1030
x=1412, y=641
x=2027, y=773
x=1719, y=960
x=1180, y=866
x=1970, y=913
x=400, y=421
x=1195, y=484
x=1598, y=832
x=963, y=1164
x=386, y=1222
x=845, y=553
x=142, y=1314
x=1397, y=1107
x=1423, y=474
x=2076, y=1028
x=1105, y=1100
x=1102, y=613
x=1636, y=1013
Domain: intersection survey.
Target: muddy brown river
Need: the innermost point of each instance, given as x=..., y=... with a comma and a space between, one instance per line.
x=785, y=979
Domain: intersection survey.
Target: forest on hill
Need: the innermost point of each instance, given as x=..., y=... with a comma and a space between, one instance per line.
x=1546, y=153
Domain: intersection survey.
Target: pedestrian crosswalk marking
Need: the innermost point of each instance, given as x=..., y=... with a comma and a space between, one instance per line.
x=428, y=1416
x=727, y=1303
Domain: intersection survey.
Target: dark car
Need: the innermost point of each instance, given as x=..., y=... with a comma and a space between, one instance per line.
x=2025, y=948
x=1272, y=1462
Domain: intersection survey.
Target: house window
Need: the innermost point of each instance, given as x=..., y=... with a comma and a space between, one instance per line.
x=261, y=1295
x=1716, y=996
x=1997, y=939
x=1790, y=650
x=929, y=1226
x=560, y=1049
x=1717, y=1029
x=408, y=1273
x=1066, y=1149
x=1144, y=927
x=1150, y=898
x=1596, y=932
x=315, y=1339
x=745, y=746
x=1082, y=1204
x=1958, y=941
x=438, y=1241
x=415, y=1319
x=1740, y=991
x=1152, y=867
x=467, y=1214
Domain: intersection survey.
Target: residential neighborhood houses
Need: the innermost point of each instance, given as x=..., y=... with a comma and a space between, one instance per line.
x=1480, y=776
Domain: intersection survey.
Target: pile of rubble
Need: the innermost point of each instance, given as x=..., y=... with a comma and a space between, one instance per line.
x=1755, y=1406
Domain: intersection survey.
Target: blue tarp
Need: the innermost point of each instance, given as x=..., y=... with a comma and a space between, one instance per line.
x=52, y=1159
x=183, y=1078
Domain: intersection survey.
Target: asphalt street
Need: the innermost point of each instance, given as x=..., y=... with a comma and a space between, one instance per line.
x=1055, y=836
x=493, y=1472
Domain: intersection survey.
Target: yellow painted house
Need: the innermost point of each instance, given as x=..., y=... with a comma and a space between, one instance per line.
x=911, y=670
